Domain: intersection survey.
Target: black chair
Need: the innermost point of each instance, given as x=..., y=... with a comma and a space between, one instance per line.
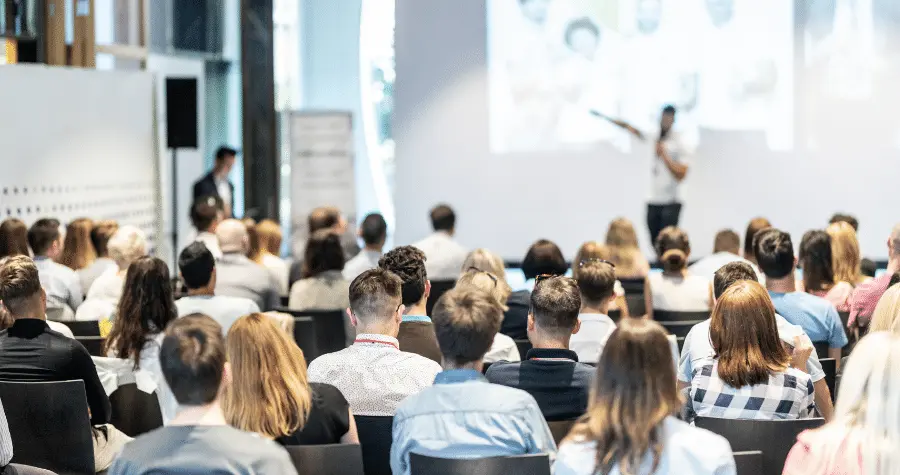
x=284, y=300
x=773, y=438
x=615, y=315
x=749, y=462
x=305, y=336
x=829, y=367
x=331, y=334
x=680, y=341
x=89, y=328
x=135, y=412
x=637, y=307
x=663, y=316
x=333, y=459
x=633, y=286
x=680, y=329
x=524, y=346
x=93, y=344
x=49, y=425
x=375, y=440
x=560, y=429
x=821, y=348
x=538, y=464
x=485, y=367
x=438, y=288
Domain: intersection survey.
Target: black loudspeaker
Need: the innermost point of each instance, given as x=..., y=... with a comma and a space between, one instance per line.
x=181, y=112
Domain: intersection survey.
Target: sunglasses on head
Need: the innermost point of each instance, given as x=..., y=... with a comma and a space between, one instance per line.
x=481, y=271
x=587, y=261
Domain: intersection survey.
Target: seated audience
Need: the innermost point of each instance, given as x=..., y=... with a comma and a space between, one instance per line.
x=62, y=285
x=269, y=234
x=416, y=330
x=31, y=352
x=13, y=238
x=726, y=249
x=697, y=349
x=206, y=214
x=270, y=395
x=504, y=347
x=323, y=286
x=6, y=320
x=373, y=374
x=127, y=245
x=756, y=225
x=551, y=372
x=199, y=439
x=818, y=271
x=594, y=251
x=631, y=425
x=866, y=266
x=101, y=233
x=323, y=218
x=845, y=254
x=862, y=438
x=444, y=256
x=373, y=232
x=78, y=252
x=543, y=258
x=885, y=318
x=675, y=289
x=236, y=274
x=596, y=282
x=143, y=312
x=462, y=415
x=865, y=296
x=818, y=317
x=198, y=273
x=621, y=239
x=751, y=364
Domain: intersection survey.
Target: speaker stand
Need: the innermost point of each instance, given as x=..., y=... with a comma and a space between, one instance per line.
x=175, y=210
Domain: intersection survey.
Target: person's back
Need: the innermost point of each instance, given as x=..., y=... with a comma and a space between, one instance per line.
x=373, y=232
x=323, y=286
x=236, y=274
x=688, y=293
x=444, y=255
x=100, y=236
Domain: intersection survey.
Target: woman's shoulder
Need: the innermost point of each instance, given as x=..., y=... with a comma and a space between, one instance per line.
x=327, y=394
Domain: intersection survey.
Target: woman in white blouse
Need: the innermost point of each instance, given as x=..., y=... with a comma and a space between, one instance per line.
x=676, y=289
x=127, y=245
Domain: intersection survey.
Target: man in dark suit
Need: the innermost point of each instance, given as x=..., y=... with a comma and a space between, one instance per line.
x=216, y=182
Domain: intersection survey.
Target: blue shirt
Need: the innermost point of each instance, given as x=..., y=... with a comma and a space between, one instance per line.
x=63, y=286
x=464, y=416
x=817, y=316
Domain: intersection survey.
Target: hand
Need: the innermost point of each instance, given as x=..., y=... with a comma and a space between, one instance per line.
x=803, y=347
x=660, y=149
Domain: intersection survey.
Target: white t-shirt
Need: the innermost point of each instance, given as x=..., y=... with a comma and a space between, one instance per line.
x=588, y=343
x=679, y=294
x=708, y=266
x=664, y=188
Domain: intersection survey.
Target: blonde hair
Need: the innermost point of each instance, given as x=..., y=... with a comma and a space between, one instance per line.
x=621, y=239
x=254, y=252
x=886, y=312
x=269, y=393
x=127, y=245
x=590, y=250
x=269, y=234
x=487, y=261
x=845, y=256
x=486, y=282
x=78, y=251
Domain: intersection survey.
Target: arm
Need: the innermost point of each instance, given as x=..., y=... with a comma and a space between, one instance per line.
x=75, y=294
x=648, y=298
x=83, y=368
x=352, y=436
x=538, y=431
x=836, y=354
x=6, y=446
x=823, y=399
x=678, y=170
x=621, y=124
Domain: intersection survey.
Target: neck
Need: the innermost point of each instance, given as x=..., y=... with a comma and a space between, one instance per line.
x=220, y=173
x=202, y=291
x=784, y=285
x=590, y=308
x=208, y=415
x=677, y=273
x=374, y=247
x=893, y=264
x=545, y=342
x=31, y=315
x=417, y=309
x=474, y=365
x=376, y=329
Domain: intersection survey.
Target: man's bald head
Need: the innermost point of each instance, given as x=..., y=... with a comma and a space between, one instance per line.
x=232, y=235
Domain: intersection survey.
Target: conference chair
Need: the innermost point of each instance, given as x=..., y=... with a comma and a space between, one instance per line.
x=536, y=464
x=679, y=329
x=829, y=367
x=93, y=344
x=615, y=315
x=663, y=316
x=523, y=346
x=135, y=412
x=773, y=437
x=821, y=348
x=633, y=286
x=332, y=459
x=438, y=288
x=560, y=429
x=49, y=425
x=305, y=336
x=634, y=296
x=87, y=328
x=375, y=440
x=331, y=335
x=749, y=462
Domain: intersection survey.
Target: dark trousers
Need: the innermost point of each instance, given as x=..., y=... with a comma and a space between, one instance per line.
x=661, y=216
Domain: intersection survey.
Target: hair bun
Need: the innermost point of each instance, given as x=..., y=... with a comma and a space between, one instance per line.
x=674, y=260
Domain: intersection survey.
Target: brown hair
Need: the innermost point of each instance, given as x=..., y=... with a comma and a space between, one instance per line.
x=325, y=217
x=816, y=262
x=465, y=323
x=270, y=236
x=845, y=256
x=443, y=218
x=555, y=305
x=756, y=225
x=407, y=263
x=375, y=294
x=744, y=336
x=323, y=253
x=269, y=393
x=254, y=251
x=727, y=241
x=78, y=251
x=633, y=393
x=42, y=234
x=590, y=250
x=596, y=281
x=101, y=234
x=19, y=283
x=192, y=359
x=621, y=239
x=544, y=257
x=13, y=238
x=673, y=248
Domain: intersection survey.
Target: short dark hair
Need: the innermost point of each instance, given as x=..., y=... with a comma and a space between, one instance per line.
x=323, y=253
x=774, y=253
x=192, y=357
x=727, y=241
x=13, y=238
x=42, y=234
x=224, y=152
x=555, y=305
x=544, y=257
x=408, y=263
x=845, y=218
x=443, y=218
x=373, y=229
x=100, y=235
x=19, y=283
x=323, y=217
x=583, y=23
x=205, y=211
x=596, y=281
x=196, y=264
x=673, y=247
x=731, y=273
x=375, y=294
x=753, y=228
x=816, y=261
x=669, y=109
x=465, y=324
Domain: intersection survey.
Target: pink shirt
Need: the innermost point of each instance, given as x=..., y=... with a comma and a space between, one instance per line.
x=823, y=452
x=839, y=296
x=865, y=297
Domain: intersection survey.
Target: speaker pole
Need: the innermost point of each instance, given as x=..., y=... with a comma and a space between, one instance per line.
x=175, y=210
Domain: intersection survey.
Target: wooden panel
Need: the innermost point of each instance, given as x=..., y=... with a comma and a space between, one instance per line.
x=55, y=32
x=84, y=52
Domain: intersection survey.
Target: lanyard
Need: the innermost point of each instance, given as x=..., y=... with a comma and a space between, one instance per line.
x=377, y=342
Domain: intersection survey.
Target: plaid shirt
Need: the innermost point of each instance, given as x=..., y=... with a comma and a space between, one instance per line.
x=787, y=395
x=865, y=297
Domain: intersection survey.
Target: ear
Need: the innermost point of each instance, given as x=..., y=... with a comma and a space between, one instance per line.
x=427, y=289
x=399, y=316
x=353, y=320
x=577, y=327
x=530, y=322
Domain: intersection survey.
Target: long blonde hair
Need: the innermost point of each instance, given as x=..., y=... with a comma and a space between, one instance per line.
x=845, y=256
x=269, y=393
x=78, y=250
x=621, y=239
x=486, y=282
x=269, y=234
x=886, y=312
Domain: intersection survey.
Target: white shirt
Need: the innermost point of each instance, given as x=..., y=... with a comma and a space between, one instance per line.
x=373, y=374
x=279, y=270
x=61, y=329
x=503, y=349
x=149, y=366
x=212, y=243
x=224, y=189
x=365, y=260
x=444, y=256
x=588, y=343
x=225, y=310
x=62, y=285
x=97, y=268
x=708, y=266
x=665, y=189
x=679, y=294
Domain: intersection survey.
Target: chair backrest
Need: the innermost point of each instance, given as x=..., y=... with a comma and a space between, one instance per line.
x=637, y=307
x=87, y=328
x=523, y=346
x=829, y=367
x=485, y=367
x=331, y=334
x=49, y=425
x=663, y=316
x=438, y=288
x=375, y=440
x=615, y=315
x=560, y=429
x=537, y=464
x=135, y=412
x=679, y=329
x=633, y=286
x=305, y=336
x=821, y=348
x=332, y=459
x=749, y=462
x=773, y=437
x=93, y=344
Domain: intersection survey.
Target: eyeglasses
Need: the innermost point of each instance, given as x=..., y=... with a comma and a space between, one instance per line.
x=481, y=271
x=589, y=260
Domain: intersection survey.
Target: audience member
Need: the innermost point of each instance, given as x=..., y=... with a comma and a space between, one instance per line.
x=756, y=225
x=206, y=214
x=675, y=288
x=594, y=251
x=463, y=415
x=31, y=352
x=416, y=333
x=199, y=439
x=126, y=246
x=862, y=438
x=543, y=258
x=198, y=272
x=751, y=364
x=596, y=282
x=101, y=233
x=237, y=275
x=373, y=374
x=866, y=266
x=269, y=234
x=13, y=238
x=818, y=317
x=818, y=271
x=631, y=425
x=6, y=320
x=845, y=218
x=515, y=318
x=323, y=286
x=865, y=296
x=845, y=254
x=144, y=311
x=323, y=218
x=216, y=183
x=373, y=232
x=551, y=372
x=504, y=347
x=622, y=241
x=78, y=252
x=254, y=253
x=885, y=318
x=270, y=395
x=726, y=249
x=61, y=284
x=444, y=255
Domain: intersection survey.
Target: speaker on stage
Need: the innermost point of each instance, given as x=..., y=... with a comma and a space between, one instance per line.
x=181, y=112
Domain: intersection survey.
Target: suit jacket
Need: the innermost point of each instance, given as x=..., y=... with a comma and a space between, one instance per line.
x=206, y=186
